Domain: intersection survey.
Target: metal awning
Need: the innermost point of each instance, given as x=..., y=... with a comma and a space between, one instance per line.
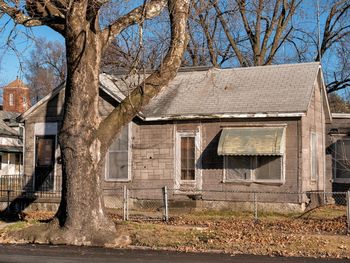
x=252, y=141
x=11, y=149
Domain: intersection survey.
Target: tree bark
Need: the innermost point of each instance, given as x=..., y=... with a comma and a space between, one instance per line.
x=81, y=155
x=84, y=138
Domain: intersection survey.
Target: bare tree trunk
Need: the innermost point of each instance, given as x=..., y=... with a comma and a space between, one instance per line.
x=80, y=152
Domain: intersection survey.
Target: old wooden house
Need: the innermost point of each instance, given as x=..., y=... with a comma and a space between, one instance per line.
x=247, y=129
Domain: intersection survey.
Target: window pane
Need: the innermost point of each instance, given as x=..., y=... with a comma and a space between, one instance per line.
x=121, y=142
x=118, y=165
x=268, y=168
x=188, y=158
x=238, y=168
x=343, y=169
x=187, y=174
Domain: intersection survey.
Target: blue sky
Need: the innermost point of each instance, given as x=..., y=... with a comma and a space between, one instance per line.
x=9, y=60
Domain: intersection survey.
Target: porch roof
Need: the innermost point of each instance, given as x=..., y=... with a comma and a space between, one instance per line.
x=10, y=149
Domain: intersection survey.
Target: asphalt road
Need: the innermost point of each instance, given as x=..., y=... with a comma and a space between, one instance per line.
x=66, y=254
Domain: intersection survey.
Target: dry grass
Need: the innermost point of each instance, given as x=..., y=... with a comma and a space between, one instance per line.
x=318, y=233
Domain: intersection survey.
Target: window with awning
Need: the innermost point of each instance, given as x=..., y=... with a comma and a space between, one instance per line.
x=252, y=154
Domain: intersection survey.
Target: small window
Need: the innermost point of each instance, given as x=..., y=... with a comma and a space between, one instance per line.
x=117, y=161
x=253, y=168
x=11, y=102
x=24, y=100
x=313, y=156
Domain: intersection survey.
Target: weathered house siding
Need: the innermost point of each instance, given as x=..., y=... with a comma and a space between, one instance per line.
x=154, y=144
x=314, y=122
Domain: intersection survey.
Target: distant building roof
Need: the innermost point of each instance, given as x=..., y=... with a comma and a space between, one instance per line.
x=5, y=129
x=17, y=83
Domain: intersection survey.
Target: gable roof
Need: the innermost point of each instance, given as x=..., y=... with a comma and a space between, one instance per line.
x=255, y=90
x=265, y=91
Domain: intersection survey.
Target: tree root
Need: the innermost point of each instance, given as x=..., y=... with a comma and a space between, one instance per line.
x=52, y=233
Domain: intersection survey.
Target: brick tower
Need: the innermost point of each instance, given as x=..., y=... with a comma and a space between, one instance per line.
x=16, y=97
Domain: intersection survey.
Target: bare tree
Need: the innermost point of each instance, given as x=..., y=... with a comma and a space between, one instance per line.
x=335, y=39
x=264, y=26
x=85, y=137
x=45, y=68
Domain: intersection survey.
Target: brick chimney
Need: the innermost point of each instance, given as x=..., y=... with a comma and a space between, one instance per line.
x=16, y=97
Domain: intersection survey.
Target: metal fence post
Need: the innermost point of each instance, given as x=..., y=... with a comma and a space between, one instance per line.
x=348, y=209
x=165, y=201
x=255, y=207
x=125, y=203
x=8, y=201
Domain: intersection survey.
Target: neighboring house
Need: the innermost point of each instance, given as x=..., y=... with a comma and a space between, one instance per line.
x=10, y=145
x=338, y=151
x=15, y=101
x=246, y=129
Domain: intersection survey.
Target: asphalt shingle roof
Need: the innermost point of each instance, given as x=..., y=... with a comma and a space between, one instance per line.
x=266, y=89
x=6, y=130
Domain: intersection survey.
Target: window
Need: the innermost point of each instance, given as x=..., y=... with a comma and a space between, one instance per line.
x=24, y=99
x=11, y=99
x=313, y=156
x=117, y=161
x=0, y=161
x=188, y=152
x=342, y=159
x=253, y=168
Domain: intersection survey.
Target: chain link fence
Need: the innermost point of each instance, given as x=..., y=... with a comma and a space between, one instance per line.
x=164, y=204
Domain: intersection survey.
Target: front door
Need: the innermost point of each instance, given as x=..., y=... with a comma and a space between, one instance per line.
x=44, y=162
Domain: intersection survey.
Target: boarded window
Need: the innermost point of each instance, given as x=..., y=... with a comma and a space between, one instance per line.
x=255, y=168
x=313, y=155
x=118, y=157
x=342, y=159
x=45, y=150
x=188, y=151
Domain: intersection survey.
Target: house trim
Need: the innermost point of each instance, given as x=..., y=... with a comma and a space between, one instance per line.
x=186, y=186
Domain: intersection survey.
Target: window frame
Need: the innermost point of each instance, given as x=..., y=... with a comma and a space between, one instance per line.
x=338, y=179
x=253, y=167
x=129, y=177
x=314, y=173
x=187, y=186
